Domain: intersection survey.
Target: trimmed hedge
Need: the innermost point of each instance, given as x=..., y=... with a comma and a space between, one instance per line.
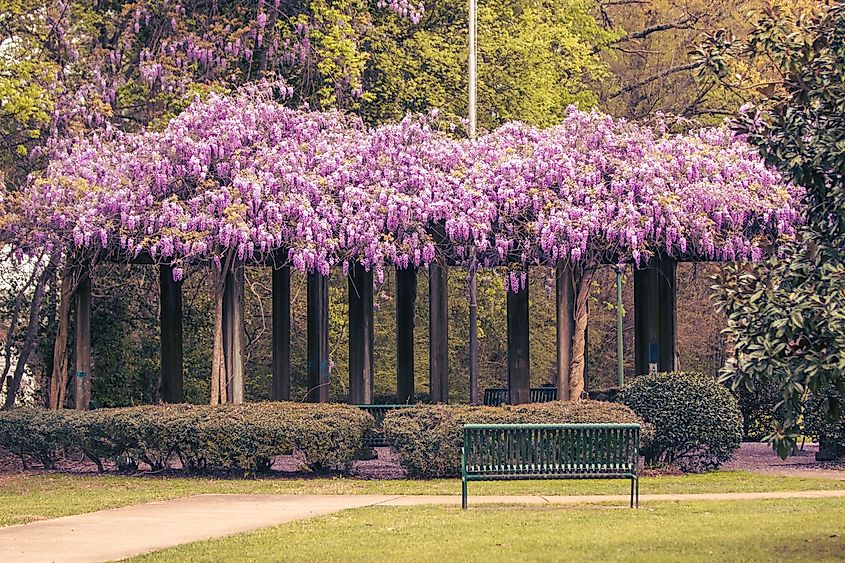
x=428, y=438
x=697, y=421
x=242, y=438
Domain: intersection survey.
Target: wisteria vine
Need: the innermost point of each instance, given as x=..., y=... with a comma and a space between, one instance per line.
x=319, y=190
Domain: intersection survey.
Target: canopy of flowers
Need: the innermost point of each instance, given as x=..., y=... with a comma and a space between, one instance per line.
x=245, y=174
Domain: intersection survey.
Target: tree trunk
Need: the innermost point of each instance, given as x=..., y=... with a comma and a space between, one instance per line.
x=31, y=329
x=218, y=360
x=59, y=377
x=233, y=334
x=577, y=369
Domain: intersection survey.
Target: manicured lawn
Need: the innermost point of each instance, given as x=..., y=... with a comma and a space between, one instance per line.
x=775, y=530
x=26, y=498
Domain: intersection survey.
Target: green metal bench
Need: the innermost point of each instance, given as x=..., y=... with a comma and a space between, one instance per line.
x=497, y=396
x=550, y=451
x=375, y=437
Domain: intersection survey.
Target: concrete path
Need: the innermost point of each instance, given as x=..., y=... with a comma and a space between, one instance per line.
x=123, y=532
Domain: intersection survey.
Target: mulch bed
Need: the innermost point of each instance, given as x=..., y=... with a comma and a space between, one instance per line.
x=384, y=466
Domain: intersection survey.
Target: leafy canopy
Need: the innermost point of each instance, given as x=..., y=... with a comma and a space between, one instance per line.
x=786, y=316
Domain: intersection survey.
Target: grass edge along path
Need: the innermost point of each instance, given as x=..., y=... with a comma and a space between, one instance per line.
x=30, y=497
x=761, y=530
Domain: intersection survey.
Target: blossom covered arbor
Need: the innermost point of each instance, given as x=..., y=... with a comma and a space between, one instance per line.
x=241, y=180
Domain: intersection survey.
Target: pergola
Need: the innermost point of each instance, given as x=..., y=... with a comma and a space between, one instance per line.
x=236, y=181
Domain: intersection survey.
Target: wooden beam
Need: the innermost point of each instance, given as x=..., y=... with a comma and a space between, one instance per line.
x=438, y=347
x=170, y=322
x=233, y=334
x=281, y=334
x=361, y=359
x=318, y=338
x=406, y=300
x=519, y=368
x=82, y=342
x=565, y=325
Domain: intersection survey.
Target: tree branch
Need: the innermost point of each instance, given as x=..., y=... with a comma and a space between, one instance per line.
x=654, y=78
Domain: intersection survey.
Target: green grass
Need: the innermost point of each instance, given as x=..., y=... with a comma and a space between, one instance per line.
x=772, y=530
x=25, y=498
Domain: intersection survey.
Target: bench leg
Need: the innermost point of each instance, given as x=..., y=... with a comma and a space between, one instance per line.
x=632, y=492
x=637, y=503
x=463, y=494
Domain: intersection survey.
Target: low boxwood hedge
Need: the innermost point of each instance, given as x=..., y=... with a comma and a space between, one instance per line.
x=428, y=438
x=242, y=438
x=697, y=421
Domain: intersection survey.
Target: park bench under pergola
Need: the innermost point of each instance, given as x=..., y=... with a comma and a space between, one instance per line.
x=765, y=214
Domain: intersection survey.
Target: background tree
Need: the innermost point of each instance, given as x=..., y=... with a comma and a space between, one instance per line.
x=786, y=316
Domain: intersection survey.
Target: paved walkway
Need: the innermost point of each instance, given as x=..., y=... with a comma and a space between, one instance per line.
x=123, y=532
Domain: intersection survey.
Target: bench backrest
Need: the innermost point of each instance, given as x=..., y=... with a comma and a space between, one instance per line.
x=496, y=396
x=555, y=449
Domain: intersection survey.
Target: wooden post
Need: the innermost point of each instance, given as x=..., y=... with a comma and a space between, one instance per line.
x=565, y=324
x=667, y=303
x=318, y=338
x=82, y=342
x=406, y=299
x=361, y=360
x=281, y=334
x=233, y=334
x=438, y=348
x=519, y=368
x=655, y=301
x=170, y=322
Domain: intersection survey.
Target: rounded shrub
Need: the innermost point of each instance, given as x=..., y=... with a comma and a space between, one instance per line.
x=428, y=438
x=39, y=435
x=697, y=422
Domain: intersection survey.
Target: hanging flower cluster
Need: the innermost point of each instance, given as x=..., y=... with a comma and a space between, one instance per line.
x=247, y=175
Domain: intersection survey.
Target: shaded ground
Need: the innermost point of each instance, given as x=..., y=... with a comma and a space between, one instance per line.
x=385, y=466
x=760, y=458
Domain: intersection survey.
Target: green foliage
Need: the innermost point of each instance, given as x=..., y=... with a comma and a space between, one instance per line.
x=242, y=438
x=428, y=439
x=40, y=435
x=697, y=423
x=829, y=432
x=533, y=61
x=786, y=316
x=758, y=407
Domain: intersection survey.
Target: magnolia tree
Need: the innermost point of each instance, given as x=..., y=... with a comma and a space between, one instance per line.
x=242, y=179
